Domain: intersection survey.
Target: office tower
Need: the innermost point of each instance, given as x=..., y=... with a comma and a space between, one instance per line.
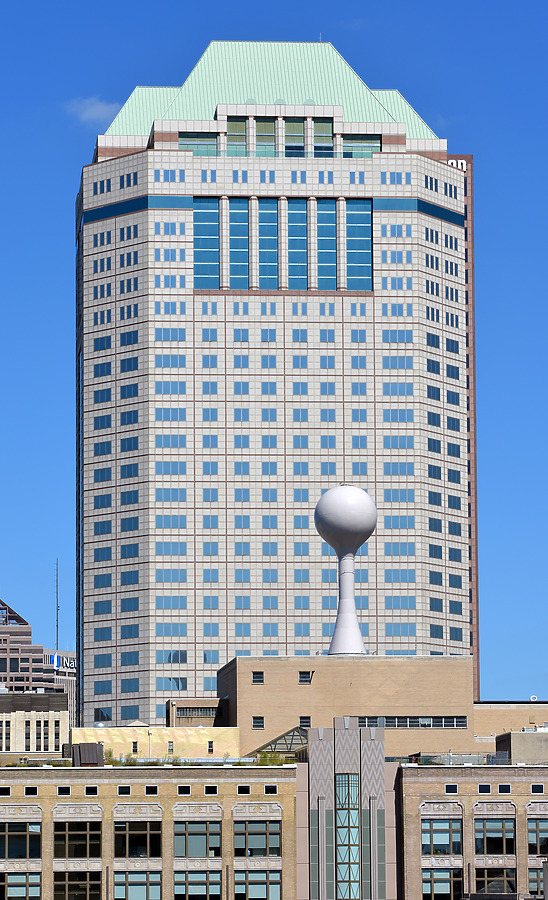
x=274, y=295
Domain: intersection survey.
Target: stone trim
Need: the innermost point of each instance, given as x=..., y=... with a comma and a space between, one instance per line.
x=442, y=862
x=139, y=811
x=258, y=862
x=198, y=811
x=202, y=863
x=153, y=864
x=28, y=811
x=77, y=865
x=537, y=807
x=441, y=810
x=257, y=810
x=494, y=808
x=77, y=811
x=20, y=865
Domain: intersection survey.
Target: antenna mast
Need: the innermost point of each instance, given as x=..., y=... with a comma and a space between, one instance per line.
x=57, y=605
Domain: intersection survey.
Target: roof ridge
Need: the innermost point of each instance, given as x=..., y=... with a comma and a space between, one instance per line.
x=368, y=89
x=197, y=63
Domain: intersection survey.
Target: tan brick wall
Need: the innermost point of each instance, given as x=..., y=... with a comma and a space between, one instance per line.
x=427, y=785
x=167, y=779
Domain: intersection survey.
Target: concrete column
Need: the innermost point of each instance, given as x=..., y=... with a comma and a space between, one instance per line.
x=341, y=244
x=322, y=874
x=251, y=136
x=374, y=845
x=282, y=244
x=312, y=240
x=309, y=136
x=253, y=243
x=280, y=136
x=221, y=143
x=337, y=146
x=224, y=260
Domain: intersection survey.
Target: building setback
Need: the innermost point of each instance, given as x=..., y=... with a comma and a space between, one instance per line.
x=274, y=294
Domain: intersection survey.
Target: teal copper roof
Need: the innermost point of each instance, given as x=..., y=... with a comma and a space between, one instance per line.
x=266, y=72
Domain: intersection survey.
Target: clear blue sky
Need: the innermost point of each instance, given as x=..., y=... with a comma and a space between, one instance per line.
x=476, y=72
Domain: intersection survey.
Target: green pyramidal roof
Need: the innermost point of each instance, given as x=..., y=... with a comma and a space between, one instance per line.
x=266, y=72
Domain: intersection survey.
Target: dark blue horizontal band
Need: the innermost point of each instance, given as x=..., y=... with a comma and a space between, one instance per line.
x=138, y=204
x=400, y=204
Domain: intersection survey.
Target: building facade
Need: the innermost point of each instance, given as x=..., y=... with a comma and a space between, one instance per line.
x=138, y=833
x=274, y=294
x=28, y=667
x=475, y=830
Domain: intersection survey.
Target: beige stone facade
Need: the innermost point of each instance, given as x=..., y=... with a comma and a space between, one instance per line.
x=33, y=723
x=143, y=742
x=427, y=702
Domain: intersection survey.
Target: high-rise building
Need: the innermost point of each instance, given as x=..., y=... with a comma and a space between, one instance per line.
x=275, y=294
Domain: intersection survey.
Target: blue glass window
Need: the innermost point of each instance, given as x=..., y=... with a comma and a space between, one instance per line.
x=327, y=245
x=358, y=245
x=297, y=245
x=206, y=242
x=268, y=244
x=238, y=230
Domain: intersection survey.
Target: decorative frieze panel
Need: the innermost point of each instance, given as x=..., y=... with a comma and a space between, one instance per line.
x=257, y=810
x=197, y=811
x=140, y=811
x=494, y=808
x=537, y=808
x=441, y=862
x=499, y=862
x=77, y=865
x=258, y=862
x=152, y=864
x=77, y=812
x=20, y=865
x=448, y=809
x=197, y=864
x=31, y=812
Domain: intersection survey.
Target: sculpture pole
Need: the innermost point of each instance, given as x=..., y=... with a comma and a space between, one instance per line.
x=346, y=517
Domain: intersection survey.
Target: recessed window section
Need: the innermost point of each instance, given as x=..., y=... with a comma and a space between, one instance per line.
x=137, y=839
x=124, y=790
x=271, y=788
x=183, y=790
x=31, y=790
x=257, y=838
x=197, y=839
x=151, y=790
x=91, y=790
x=451, y=788
x=537, y=789
x=484, y=788
x=257, y=678
x=244, y=789
x=63, y=790
x=236, y=136
x=199, y=143
x=305, y=677
x=323, y=138
x=294, y=137
x=360, y=146
x=210, y=789
x=266, y=137
x=505, y=789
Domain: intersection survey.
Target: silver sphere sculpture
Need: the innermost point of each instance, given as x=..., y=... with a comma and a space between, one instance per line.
x=345, y=517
